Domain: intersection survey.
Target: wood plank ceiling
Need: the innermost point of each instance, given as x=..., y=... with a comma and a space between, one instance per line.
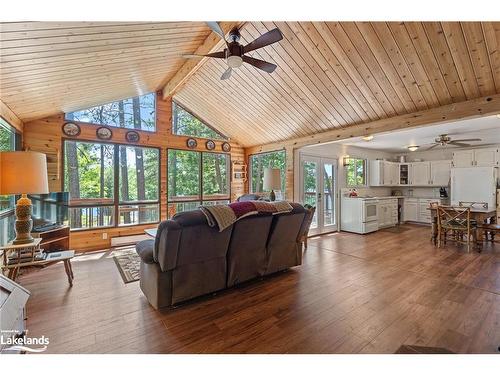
x=333, y=75
x=49, y=67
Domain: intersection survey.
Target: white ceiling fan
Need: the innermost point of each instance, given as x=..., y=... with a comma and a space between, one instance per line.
x=446, y=140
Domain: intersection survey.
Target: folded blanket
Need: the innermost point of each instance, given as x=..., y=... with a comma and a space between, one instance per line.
x=226, y=215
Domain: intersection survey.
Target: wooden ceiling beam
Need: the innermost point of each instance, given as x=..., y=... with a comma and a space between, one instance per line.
x=9, y=116
x=485, y=106
x=212, y=43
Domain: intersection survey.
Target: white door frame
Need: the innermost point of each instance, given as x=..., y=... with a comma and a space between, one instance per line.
x=320, y=162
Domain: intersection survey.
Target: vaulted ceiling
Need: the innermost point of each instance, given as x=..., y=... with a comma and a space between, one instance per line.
x=330, y=74
x=338, y=74
x=51, y=67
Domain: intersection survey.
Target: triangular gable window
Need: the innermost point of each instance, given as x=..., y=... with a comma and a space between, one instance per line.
x=185, y=123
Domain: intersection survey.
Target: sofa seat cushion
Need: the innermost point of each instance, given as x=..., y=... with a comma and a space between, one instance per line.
x=145, y=250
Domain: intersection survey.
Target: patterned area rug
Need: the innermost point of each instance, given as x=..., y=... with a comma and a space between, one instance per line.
x=128, y=263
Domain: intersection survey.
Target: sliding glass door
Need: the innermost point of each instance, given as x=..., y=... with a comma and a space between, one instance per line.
x=318, y=177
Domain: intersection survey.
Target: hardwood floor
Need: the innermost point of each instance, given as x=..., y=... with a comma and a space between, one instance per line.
x=353, y=294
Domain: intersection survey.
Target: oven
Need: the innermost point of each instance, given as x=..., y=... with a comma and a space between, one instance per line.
x=370, y=210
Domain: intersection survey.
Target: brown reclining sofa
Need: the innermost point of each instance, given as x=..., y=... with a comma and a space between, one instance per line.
x=188, y=258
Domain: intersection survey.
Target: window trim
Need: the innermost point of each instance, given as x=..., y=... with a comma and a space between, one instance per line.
x=116, y=184
x=113, y=126
x=365, y=174
x=200, y=184
x=17, y=147
x=224, y=137
x=250, y=185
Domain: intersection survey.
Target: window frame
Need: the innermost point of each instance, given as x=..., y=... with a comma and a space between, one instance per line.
x=200, y=198
x=17, y=147
x=113, y=126
x=174, y=103
x=365, y=175
x=116, y=185
x=250, y=169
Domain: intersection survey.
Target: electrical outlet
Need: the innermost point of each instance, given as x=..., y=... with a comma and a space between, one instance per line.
x=104, y=236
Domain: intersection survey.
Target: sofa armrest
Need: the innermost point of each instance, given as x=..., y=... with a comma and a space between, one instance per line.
x=167, y=244
x=145, y=250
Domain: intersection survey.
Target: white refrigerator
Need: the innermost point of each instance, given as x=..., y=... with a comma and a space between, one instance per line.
x=476, y=184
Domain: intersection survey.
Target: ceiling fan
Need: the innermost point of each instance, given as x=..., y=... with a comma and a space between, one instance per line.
x=235, y=53
x=445, y=140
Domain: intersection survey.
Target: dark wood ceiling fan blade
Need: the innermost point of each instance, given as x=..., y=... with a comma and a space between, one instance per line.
x=217, y=29
x=459, y=144
x=218, y=55
x=260, y=64
x=433, y=146
x=266, y=39
x=226, y=74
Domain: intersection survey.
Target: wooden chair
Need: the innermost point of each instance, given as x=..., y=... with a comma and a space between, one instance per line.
x=490, y=230
x=434, y=231
x=307, y=223
x=457, y=222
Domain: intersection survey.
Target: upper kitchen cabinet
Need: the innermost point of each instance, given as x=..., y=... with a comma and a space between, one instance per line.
x=383, y=173
x=421, y=173
x=481, y=157
x=440, y=172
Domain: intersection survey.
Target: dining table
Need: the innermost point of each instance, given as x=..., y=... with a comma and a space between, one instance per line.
x=480, y=214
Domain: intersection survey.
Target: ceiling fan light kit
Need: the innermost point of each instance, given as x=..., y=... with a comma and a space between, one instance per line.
x=368, y=138
x=413, y=148
x=234, y=53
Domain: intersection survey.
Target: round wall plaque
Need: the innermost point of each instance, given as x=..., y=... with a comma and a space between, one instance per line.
x=210, y=145
x=71, y=129
x=104, y=133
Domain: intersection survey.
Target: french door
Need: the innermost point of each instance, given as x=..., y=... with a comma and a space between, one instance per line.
x=318, y=186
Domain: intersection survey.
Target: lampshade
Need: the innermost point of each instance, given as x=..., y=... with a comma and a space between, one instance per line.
x=272, y=179
x=23, y=172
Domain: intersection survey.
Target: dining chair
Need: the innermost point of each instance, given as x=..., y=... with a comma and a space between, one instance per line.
x=434, y=230
x=455, y=223
x=310, y=211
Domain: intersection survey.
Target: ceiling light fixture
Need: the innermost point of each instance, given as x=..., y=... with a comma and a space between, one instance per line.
x=413, y=148
x=367, y=138
x=498, y=115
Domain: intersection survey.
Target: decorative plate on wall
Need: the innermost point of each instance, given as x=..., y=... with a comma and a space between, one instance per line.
x=104, y=133
x=210, y=145
x=71, y=129
x=132, y=136
x=226, y=147
x=191, y=143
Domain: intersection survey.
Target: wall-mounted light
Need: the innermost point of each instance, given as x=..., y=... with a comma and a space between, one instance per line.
x=367, y=138
x=345, y=160
x=413, y=148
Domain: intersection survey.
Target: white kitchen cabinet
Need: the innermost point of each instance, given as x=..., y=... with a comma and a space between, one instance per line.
x=410, y=210
x=486, y=157
x=404, y=173
x=480, y=157
x=383, y=173
x=421, y=173
x=440, y=172
x=387, y=212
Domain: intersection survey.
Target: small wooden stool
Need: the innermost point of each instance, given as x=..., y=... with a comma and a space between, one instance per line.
x=492, y=229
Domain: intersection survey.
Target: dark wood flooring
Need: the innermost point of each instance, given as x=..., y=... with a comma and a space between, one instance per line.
x=353, y=294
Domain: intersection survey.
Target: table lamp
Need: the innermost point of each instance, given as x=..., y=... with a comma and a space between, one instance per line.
x=23, y=172
x=272, y=181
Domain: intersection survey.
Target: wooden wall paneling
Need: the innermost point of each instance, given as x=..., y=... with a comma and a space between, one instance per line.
x=476, y=44
x=45, y=135
x=10, y=117
x=368, y=40
x=425, y=54
x=410, y=55
x=491, y=31
x=448, y=70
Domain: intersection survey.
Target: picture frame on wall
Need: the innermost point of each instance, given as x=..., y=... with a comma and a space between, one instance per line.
x=104, y=133
x=132, y=136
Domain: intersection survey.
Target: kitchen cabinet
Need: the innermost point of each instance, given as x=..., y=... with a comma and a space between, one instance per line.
x=421, y=173
x=440, y=172
x=387, y=212
x=383, y=173
x=404, y=173
x=410, y=210
x=480, y=157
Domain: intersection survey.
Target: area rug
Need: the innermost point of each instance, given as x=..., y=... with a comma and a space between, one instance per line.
x=128, y=263
x=414, y=349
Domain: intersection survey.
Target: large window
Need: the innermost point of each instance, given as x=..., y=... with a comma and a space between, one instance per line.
x=8, y=142
x=184, y=123
x=355, y=172
x=196, y=178
x=104, y=193
x=133, y=113
x=259, y=162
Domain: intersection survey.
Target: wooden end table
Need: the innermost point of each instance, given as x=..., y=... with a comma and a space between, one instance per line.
x=13, y=264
